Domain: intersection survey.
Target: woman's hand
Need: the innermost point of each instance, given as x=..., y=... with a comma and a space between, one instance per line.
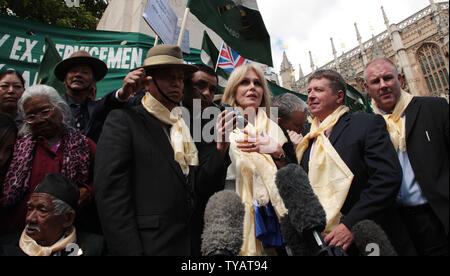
x=262, y=143
x=225, y=124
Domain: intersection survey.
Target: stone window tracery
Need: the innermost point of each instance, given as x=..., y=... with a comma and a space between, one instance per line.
x=433, y=68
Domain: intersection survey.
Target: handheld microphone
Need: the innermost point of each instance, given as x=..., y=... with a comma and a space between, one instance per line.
x=371, y=240
x=306, y=214
x=224, y=219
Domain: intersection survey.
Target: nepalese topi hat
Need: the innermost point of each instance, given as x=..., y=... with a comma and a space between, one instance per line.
x=165, y=56
x=99, y=68
x=60, y=187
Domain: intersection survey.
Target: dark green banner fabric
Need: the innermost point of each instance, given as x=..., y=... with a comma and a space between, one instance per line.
x=22, y=47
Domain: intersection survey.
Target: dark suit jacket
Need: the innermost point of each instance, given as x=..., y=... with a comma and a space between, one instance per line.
x=145, y=203
x=98, y=111
x=90, y=244
x=363, y=143
x=429, y=158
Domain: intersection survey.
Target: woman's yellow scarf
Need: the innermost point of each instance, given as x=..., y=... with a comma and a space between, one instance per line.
x=255, y=179
x=329, y=176
x=185, y=151
x=32, y=248
x=396, y=125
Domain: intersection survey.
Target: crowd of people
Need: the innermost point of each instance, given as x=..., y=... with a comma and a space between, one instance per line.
x=131, y=173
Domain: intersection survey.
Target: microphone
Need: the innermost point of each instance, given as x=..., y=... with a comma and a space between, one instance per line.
x=224, y=219
x=305, y=214
x=241, y=121
x=371, y=240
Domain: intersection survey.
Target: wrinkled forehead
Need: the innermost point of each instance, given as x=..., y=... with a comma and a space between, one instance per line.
x=41, y=199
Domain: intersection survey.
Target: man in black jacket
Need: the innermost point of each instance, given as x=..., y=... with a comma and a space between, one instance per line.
x=146, y=179
x=80, y=74
x=419, y=129
x=351, y=163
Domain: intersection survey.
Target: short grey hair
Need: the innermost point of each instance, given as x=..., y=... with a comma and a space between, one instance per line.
x=60, y=207
x=288, y=103
x=55, y=99
x=380, y=59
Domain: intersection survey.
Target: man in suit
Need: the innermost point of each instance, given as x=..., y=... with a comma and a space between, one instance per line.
x=419, y=130
x=199, y=90
x=80, y=74
x=145, y=173
x=351, y=163
x=49, y=227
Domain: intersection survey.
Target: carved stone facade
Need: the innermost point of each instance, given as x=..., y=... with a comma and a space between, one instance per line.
x=419, y=45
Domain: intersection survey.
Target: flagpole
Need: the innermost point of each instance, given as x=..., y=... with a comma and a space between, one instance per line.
x=156, y=40
x=218, y=58
x=183, y=26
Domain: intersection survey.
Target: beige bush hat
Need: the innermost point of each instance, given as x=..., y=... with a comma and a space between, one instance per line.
x=166, y=56
x=99, y=68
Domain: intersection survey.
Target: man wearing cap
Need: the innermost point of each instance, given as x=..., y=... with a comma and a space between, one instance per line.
x=145, y=166
x=80, y=73
x=49, y=229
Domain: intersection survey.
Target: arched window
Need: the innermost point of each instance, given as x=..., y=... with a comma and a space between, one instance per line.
x=433, y=67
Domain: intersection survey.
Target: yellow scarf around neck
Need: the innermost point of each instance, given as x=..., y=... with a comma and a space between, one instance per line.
x=396, y=125
x=255, y=180
x=32, y=248
x=185, y=151
x=329, y=176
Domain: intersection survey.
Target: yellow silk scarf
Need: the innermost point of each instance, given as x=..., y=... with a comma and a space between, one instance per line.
x=32, y=248
x=396, y=125
x=185, y=151
x=329, y=176
x=255, y=179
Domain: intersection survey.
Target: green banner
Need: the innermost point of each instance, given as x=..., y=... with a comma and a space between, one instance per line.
x=22, y=47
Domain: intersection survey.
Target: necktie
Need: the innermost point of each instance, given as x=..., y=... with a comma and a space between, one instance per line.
x=79, y=117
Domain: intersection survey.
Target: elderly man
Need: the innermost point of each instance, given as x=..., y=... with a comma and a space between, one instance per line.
x=80, y=74
x=419, y=130
x=146, y=164
x=351, y=163
x=49, y=229
x=292, y=115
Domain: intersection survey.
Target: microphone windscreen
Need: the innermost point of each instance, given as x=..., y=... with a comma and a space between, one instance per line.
x=305, y=211
x=223, y=229
x=371, y=240
x=294, y=241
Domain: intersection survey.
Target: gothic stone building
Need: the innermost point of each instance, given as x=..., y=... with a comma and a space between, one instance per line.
x=419, y=46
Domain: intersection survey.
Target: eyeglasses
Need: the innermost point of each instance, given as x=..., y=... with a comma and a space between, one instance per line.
x=43, y=114
x=5, y=86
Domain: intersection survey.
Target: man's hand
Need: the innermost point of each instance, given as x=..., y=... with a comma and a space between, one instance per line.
x=84, y=197
x=295, y=137
x=133, y=82
x=340, y=236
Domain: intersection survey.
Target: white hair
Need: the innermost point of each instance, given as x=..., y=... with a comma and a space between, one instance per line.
x=54, y=98
x=61, y=207
x=288, y=103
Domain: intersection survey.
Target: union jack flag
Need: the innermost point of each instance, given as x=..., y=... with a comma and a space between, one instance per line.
x=230, y=59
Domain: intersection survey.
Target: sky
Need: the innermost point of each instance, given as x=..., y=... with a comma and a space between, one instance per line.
x=300, y=26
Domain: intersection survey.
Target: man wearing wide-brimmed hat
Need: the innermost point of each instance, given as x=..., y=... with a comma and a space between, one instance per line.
x=146, y=165
x=80, y=73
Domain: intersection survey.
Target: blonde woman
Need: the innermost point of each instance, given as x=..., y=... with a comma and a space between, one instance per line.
x=256, y=153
